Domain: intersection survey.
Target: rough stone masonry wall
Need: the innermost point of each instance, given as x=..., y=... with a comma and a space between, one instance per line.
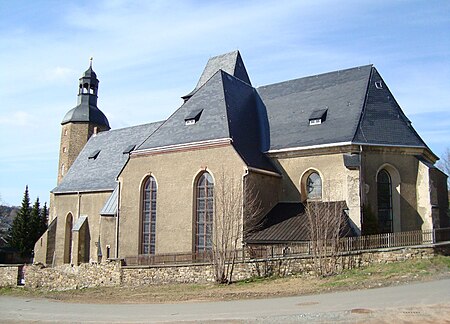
x=73, y=277
x=113, y=274
x=8, y=275
x=138, y=276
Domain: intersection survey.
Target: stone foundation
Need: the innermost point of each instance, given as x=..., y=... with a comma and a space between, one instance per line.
x=114, y=274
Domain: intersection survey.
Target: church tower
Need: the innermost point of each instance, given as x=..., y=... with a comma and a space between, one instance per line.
x=81, y=122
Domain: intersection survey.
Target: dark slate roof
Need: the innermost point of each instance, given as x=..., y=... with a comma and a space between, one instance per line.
x=356, y=111
x=228, y=110
x=383, y=121
x=231, y=63
x=85, y=113
x=100, y=173
x=287, y=222
x=291, y=104
x=89, y=73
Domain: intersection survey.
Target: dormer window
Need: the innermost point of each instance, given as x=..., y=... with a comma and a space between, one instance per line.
x=378, y=84
x=94, y=155
x=193, y=117
x=318, y=117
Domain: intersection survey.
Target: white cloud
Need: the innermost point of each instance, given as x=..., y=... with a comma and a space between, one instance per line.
x=59, y=74
x=18, y=118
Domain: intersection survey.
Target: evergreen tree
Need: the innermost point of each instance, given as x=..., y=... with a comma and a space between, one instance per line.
x=35, y=224
x=20, y=229
x=43, y=220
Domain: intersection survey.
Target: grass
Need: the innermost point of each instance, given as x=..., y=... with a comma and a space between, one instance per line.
x=372, y=276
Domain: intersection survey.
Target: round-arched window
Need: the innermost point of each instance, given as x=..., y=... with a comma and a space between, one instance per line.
x=314, y=186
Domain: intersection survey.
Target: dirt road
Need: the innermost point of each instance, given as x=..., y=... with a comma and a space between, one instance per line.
x=427, y=302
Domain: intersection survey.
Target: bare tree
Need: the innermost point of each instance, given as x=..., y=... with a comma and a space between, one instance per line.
x=326, y=223
x=444, y=163
x=236, y=206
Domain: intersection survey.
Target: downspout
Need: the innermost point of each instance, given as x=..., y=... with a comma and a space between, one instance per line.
x=117, y=222
x=79, y=204
x=361, y=187
x=243, y=216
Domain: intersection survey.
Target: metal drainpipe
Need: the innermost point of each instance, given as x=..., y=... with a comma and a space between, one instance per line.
x=361, y=187
x=243, y=201
x=117, y=222
x=79, y=204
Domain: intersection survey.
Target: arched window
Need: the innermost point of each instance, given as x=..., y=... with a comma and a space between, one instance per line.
x=314, y=186
x=384, y=198
x=204, y=212
x=148, y=234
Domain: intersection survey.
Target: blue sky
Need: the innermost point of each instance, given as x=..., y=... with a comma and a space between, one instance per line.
x=147, y=54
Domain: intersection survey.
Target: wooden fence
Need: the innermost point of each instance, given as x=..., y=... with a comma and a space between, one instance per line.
x=304, y=248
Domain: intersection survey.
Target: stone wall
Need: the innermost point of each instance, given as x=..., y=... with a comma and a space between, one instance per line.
x=137, y=276
x=73, y=277
x=8, y=275
x=114, y=274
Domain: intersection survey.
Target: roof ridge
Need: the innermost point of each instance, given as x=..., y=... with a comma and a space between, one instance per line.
x=317, y=75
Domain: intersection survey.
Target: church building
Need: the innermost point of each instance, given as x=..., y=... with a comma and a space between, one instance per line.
x=150, y=190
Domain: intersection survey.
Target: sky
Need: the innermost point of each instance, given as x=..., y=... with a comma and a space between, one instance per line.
x=147, y=54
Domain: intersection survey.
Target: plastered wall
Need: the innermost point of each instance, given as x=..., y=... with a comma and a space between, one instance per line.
x=175, y=174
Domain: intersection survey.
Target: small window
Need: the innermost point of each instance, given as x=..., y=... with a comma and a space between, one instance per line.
x=317, y=117
x=65, y=132
x=64, y=149
x=378, y=84
x=315, y=122
x=94, y=154
x=193, y=117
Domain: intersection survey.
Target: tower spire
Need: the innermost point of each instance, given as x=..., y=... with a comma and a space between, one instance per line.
x=90, y=61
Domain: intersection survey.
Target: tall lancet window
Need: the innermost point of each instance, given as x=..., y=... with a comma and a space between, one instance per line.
x=148, y=235
x=204, y=213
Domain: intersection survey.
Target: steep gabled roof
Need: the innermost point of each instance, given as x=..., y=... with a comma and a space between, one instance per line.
x=290, y=105
x=100, y=172
x=230, y=63
x=227, y=108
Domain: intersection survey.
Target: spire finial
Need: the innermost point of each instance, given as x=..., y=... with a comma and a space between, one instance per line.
x=90, y=61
